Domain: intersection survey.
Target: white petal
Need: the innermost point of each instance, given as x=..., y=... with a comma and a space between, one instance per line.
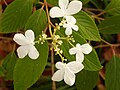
x=66, y=25
x=78, y=46
x=22, y=51
x=75, y=67
x=86, y=48
x=20, y=39
x=30, y=35
x=74, y=7
x=56, y=12
x=63, y=4
x=75, y=27
x=58, y=75
x=70, y=20
x=68, y=31
x=69, y=77
x=79, y=57
x=73, y=50
x=33, y=53
x=59, y=65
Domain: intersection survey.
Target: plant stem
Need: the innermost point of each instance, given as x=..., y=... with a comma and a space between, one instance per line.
x=49, y=22
x=106, y=42
x=52, y=51
x=53, y=65
x=41, y=3
x=93, y=9
x=101, y=13
x=70, y=43
x=6, y=38
x=46, y=28
x=102, y=75
x=14, y=47
x=112, y=47
x=96, y=17
x=5, y=2
x=104, y=46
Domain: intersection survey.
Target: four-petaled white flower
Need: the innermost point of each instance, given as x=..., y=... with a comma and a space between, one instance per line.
x=67, y=72
x=27, y=45
x=70, y=25
x=66, y=8
x=80, y=50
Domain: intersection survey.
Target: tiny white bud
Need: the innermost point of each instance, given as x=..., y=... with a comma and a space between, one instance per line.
x=44, y=36
x=60, y=24
x=58, y=27
x=61, y=51
x=60, y=42
x=65, y=59
x=73, y=40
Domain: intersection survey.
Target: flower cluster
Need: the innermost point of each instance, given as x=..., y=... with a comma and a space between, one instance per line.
x=42, y=38
x=65, y=71
x=68, y=71
x=66, y=10
x=56, y=43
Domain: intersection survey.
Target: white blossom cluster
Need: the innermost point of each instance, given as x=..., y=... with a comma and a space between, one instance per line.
x=66, y=10
x=68, y=71
x=65, y=71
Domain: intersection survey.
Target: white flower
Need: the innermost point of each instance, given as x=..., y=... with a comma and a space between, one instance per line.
x=66, y=8
x=70, y=25
x=80, y=50
x=27, y=45
x=67, y=72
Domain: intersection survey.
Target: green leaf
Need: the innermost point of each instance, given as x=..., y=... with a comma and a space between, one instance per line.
x=97, y=4
x=112, y=80
x=15, y=16
x=114, y=7
x=35, y=1
x=91, y=61
x=84, y=1
x=0, y=10
x=87, y=27
x=2, y=71
x=37, y=21
x=39, y=85
x=9, y=64
x=86, y=80
x=65, y=47
x=28, y=71
x=55, y=2
x=110, y=25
